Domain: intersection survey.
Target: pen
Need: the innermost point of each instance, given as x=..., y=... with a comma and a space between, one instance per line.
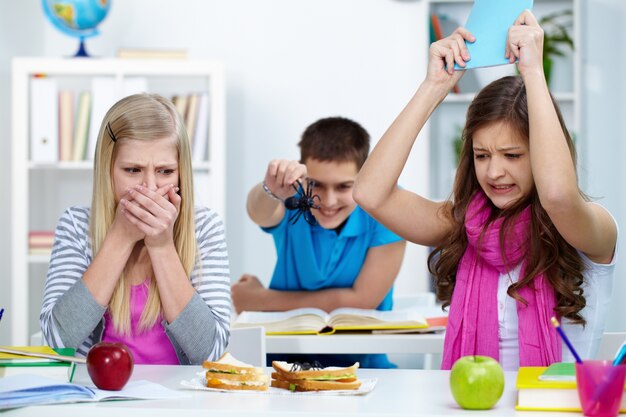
x=1, y=313
x=620, y=359
x=556, y=324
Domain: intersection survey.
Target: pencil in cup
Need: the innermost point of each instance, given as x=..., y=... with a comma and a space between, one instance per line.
x=556, y=324
x=600, y=387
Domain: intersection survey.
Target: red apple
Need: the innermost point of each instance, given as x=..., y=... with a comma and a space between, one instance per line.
x=110, y=365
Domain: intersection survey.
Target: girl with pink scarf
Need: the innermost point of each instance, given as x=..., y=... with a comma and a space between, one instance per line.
x=518, y=231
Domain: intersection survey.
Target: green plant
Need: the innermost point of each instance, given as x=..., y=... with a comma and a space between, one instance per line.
x=556, y=28
x=457, y=142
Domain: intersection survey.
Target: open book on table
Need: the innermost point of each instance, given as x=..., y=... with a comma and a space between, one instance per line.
x=317, y=321
x=22, y=390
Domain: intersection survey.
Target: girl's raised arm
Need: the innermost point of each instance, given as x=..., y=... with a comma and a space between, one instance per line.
x=584, y=225
x=411, y=216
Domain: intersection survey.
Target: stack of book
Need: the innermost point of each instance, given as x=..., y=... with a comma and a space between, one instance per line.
x=11, y=364
x=40, y=242
x=550, y=389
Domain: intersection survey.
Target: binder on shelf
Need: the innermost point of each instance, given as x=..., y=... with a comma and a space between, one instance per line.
x=66, y=124
x=201, y=136
x=44, y=122
x=81, y=129
x=134, y=85
x=105, y=93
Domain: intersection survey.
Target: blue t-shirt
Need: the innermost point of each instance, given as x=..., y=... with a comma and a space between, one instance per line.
x=312, y=258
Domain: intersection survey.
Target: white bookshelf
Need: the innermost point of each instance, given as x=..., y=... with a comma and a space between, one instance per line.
x=450, y=115
x=40, y=191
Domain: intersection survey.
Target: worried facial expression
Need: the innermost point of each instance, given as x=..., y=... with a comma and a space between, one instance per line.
x=333, y=183
x=502, y=164
x=153, y=163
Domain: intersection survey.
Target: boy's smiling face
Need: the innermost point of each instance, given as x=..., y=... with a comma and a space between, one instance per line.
x=333, y=183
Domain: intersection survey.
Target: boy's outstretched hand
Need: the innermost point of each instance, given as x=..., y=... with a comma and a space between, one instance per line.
x=525, y=43
x=281, y=174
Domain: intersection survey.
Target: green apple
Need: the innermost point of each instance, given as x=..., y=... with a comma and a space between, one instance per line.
x=476, y=382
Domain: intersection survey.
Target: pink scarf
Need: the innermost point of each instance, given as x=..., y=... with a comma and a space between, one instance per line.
x=473, y=321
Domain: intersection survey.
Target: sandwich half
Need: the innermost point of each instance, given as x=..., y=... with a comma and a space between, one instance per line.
x=230, y=374
x=315, y=379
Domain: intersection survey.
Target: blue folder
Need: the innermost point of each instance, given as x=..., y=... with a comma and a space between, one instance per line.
x=489, y=21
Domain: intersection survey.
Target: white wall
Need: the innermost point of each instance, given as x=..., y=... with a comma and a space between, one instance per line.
x=604, y=113
x=14, y=40
x=288, y=63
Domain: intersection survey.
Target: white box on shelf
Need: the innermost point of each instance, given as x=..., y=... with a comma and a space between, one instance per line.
x=44, y=120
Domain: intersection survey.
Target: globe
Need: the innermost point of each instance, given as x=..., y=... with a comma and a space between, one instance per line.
x=77, y=18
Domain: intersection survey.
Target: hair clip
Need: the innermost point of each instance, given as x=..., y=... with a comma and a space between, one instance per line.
x=110, y=132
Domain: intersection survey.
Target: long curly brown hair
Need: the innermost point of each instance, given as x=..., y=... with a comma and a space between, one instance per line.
x=504, y=100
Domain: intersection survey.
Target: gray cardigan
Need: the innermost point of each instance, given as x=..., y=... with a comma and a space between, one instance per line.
x=71, y=317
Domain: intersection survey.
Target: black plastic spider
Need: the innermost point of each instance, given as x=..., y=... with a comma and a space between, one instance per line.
x=305, y=366
x=303, y=202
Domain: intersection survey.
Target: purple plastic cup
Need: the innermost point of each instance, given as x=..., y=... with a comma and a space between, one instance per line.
x=600, y=387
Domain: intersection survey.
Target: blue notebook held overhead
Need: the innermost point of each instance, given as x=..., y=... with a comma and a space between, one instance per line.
x=489, y=21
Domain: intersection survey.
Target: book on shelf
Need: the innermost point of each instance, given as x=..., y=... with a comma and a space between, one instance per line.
x=81, y=127
x=19, y=365
x=180, y=102
x=25, y=390
x=317, y=321
x=41, y=238
x=66, y=124
x=442, y=25
x=191, y=116
x=534, y=394
x=437, y=32
x=44, y=122
x=489, y=21
x=40, y=242
x=199, y=144
x=105, y=92
x=142, y=53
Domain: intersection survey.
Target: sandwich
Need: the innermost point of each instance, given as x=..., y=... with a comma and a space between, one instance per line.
x=230, y=374
x=296, y=377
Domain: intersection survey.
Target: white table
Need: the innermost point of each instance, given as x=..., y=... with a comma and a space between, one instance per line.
x=398, y=393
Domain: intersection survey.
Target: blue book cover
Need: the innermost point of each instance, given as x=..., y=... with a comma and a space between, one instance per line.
x=489, y=21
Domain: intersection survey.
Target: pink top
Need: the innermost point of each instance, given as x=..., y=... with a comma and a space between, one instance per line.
x=149, y=347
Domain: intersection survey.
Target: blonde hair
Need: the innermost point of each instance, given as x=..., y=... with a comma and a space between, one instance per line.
x=143, y=117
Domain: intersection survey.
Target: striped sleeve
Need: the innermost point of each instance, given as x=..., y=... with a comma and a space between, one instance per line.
x=70, y=258
x=211, y=276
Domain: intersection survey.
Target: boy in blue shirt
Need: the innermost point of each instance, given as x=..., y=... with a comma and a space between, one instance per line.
x=347, y=259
